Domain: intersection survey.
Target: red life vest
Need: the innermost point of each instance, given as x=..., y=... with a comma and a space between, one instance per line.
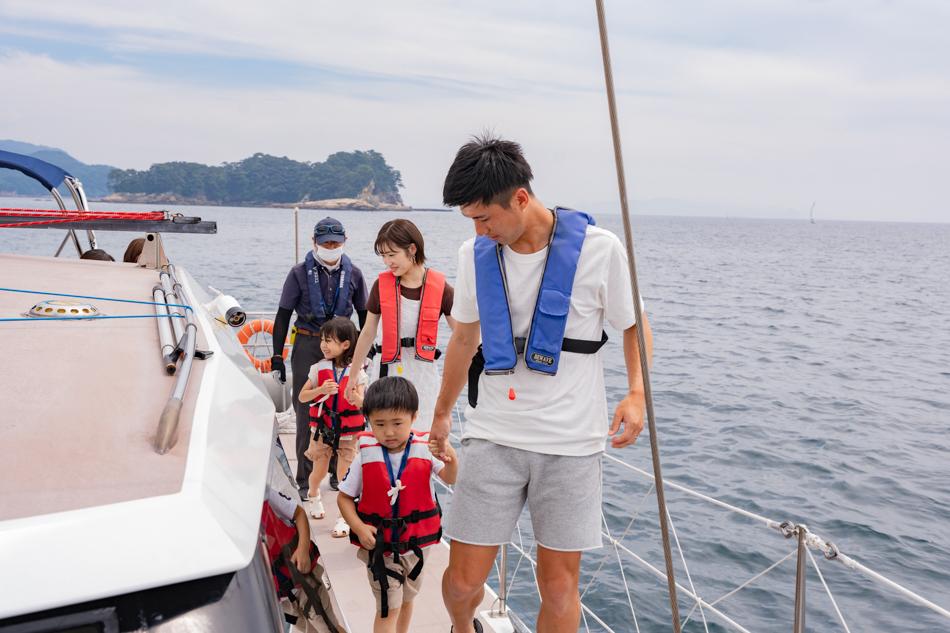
x=337, y=406
x=280, y=540
x=430, y=308
x=415, y=516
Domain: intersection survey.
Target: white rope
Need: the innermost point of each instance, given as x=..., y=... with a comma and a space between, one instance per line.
x=661, y=575
x=722, y=504
x=689, y=577
x=812, y=540
x=623, y=576
x=603, y=560
x=832, y=552
x=828, y=591
x=743, y=585
x=534, y=563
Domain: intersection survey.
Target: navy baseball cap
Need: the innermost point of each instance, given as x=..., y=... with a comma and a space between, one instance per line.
x=329, y=230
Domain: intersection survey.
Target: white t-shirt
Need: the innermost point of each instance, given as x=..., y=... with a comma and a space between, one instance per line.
x=352, y=483
x=281, y=494
x=564, y=414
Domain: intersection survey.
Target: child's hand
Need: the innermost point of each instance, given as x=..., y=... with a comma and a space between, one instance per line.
x=329, y=388
x=367, y=535
x=450, y=454
x=301, y=558
x=442, y=450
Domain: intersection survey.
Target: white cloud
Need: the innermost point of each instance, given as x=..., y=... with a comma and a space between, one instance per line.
x=741, y=104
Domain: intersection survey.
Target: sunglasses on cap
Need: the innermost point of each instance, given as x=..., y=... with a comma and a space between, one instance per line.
x=334, y=229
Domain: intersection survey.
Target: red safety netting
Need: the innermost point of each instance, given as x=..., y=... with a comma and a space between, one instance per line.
x=54, y=216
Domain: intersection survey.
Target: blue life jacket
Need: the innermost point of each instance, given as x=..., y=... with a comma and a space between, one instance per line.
x=542, y=349
x=342, y=295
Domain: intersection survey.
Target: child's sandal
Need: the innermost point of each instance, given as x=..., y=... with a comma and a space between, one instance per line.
x=317, y=511
x=341, y=529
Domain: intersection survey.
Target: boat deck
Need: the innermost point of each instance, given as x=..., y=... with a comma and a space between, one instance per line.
x=352, y=595
x=85, y=395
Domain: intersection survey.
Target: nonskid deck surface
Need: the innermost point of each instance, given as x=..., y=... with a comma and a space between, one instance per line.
x=349, y=586
x=85, y=395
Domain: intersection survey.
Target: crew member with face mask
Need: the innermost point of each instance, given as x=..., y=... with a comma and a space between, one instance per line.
x=326, y=284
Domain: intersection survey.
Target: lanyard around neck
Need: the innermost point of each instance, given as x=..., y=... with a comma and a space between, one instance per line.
x=336, y=293
x=393, y=477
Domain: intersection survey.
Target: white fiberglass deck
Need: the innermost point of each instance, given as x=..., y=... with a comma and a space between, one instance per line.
x=82, y=399
x=351, y=592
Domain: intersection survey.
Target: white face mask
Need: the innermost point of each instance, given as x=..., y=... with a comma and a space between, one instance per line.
x=329, y=255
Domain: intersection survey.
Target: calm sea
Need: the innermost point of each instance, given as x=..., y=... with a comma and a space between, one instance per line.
x=801, y=372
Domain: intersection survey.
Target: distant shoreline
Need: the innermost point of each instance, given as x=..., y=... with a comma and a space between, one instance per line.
x=343, y=204
x=340, y=204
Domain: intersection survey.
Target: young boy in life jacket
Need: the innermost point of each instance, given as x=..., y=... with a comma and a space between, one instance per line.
x=334, y=419
x=388, y=500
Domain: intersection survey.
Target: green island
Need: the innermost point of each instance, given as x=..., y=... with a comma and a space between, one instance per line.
x=360, y=180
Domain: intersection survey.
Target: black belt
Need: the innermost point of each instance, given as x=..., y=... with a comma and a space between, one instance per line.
x=403, y=342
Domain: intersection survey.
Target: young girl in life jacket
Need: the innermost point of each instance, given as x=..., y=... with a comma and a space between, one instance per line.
x=404, y=308
x=335, y=417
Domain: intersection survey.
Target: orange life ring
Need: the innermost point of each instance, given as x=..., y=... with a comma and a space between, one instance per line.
x=257, y=326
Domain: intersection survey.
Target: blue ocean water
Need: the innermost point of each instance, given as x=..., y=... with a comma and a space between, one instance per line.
x=800, y=371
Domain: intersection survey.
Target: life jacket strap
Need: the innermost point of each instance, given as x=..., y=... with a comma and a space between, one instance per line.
x=398, y=522
x=573, y=345
x=403, y=342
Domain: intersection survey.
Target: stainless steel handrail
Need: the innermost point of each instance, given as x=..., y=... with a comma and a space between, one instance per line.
x=164, y=328
x=167, y=434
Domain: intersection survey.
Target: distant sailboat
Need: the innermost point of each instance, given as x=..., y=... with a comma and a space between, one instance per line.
x=811, y=213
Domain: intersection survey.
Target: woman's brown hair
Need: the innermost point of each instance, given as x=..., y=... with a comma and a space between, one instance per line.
x=400, y=233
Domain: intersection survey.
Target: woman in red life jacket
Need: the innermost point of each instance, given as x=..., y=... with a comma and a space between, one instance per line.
x=335, y=416
x=387, y=497
x=404, y=308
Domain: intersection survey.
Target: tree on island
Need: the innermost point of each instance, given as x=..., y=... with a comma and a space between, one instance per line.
x=264, y=179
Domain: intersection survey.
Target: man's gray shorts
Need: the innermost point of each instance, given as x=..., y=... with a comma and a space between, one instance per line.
x=563, y=495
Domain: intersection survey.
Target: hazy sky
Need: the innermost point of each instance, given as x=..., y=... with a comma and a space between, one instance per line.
x=737, y=107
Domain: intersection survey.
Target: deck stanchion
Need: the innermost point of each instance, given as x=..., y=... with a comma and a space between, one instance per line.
x=296, y=235
x=799, y=626
x=644, y=363
x=503, y=581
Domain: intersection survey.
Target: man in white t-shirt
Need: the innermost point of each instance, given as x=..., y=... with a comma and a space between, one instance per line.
x=537, y=432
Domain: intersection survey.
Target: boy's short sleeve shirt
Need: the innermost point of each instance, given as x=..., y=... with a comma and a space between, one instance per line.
x=564, y=414
x=280, y=493
x=282, y=504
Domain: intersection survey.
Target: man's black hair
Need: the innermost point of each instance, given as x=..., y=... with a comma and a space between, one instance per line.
x=390, y=392
x=486, y=170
